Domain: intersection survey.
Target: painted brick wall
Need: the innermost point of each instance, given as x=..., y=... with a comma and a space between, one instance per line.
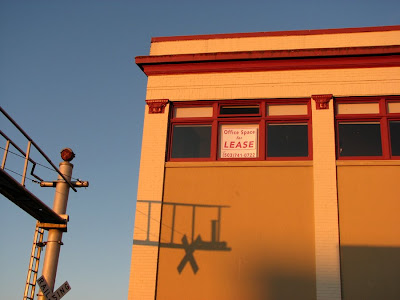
x=279, y=84
x=142, y=281
x=325, y=204
x=153, y=156
x=150, y=187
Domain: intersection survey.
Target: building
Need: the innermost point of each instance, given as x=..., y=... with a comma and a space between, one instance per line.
x=270, y=167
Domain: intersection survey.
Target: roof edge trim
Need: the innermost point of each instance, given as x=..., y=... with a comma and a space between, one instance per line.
x=276, y=60
x=267, y=54
x=274, y=33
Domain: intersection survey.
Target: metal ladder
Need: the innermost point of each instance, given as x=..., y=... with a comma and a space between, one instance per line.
x=37, y=245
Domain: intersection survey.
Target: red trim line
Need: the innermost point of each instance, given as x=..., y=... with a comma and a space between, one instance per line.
x=275, y=60
x=273, y=65
x=274, y=33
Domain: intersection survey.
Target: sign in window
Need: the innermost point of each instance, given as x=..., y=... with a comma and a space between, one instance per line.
x=239, y=141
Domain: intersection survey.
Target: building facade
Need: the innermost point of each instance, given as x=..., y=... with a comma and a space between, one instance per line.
x=269, y=167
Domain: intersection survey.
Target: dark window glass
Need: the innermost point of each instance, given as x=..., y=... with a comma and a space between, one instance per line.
x=287, y=140
x=191, y=141
x=395, y=137
x=360, y=139
x=240, y=110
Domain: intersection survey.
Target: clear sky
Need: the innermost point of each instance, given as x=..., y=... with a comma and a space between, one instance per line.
x=68, y=77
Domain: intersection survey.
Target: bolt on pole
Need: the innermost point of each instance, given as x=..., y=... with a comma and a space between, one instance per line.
x=54, y=239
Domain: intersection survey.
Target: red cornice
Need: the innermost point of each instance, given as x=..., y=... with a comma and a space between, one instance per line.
x=275, y=33
x=272, y=60
x=267, y=54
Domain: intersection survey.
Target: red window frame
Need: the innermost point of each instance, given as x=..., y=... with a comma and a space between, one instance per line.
x=261, y=119
x=383, y=117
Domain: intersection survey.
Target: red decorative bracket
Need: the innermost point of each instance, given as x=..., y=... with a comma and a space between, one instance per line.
x=322, y=101
x=157, y=106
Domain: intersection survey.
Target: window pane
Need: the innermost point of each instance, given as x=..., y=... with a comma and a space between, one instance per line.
x=193, y=112
x=395, y=137
x=238, y=141
x=191, y=141
x=360, y=139
x=286, y=110
x=357, y=108
x=240, y=110
x=287, y=140
x=393, y=107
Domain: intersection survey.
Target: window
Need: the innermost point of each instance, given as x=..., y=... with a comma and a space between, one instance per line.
x=287, y=140
x=239, y=110
x=191, y=141
x=240, y=130
x=192, y=112
x=360, y=139
x=394, y=127
x=368, y=127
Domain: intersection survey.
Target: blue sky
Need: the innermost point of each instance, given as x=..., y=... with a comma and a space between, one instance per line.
x=68, y=77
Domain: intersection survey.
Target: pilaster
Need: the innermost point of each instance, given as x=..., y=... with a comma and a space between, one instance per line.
x=143, y=272
x=325, y=199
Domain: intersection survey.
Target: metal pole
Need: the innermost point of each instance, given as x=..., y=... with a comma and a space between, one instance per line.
x=3, y=164
x=28, y=150
x=54, y=239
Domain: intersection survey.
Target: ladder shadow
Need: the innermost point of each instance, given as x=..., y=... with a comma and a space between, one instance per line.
x=190, y=241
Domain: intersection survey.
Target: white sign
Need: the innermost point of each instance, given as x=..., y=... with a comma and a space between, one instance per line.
x=239, y=142
x=58, y=294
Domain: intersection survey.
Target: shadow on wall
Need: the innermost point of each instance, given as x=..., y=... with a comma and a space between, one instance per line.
x=276, y=283
x=370, y=273
x=192, y=238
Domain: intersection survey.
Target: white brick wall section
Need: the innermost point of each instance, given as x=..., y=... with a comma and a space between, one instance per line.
x=327, y=257
x=142, y=282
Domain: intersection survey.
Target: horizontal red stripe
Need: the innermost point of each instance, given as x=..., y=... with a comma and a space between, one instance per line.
x=267, y=54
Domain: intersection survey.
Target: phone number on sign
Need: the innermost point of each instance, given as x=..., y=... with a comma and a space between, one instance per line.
x=238, y=155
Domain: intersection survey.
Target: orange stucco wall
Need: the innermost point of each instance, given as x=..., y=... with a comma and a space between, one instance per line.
x=267, y=224
x=369, y=230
